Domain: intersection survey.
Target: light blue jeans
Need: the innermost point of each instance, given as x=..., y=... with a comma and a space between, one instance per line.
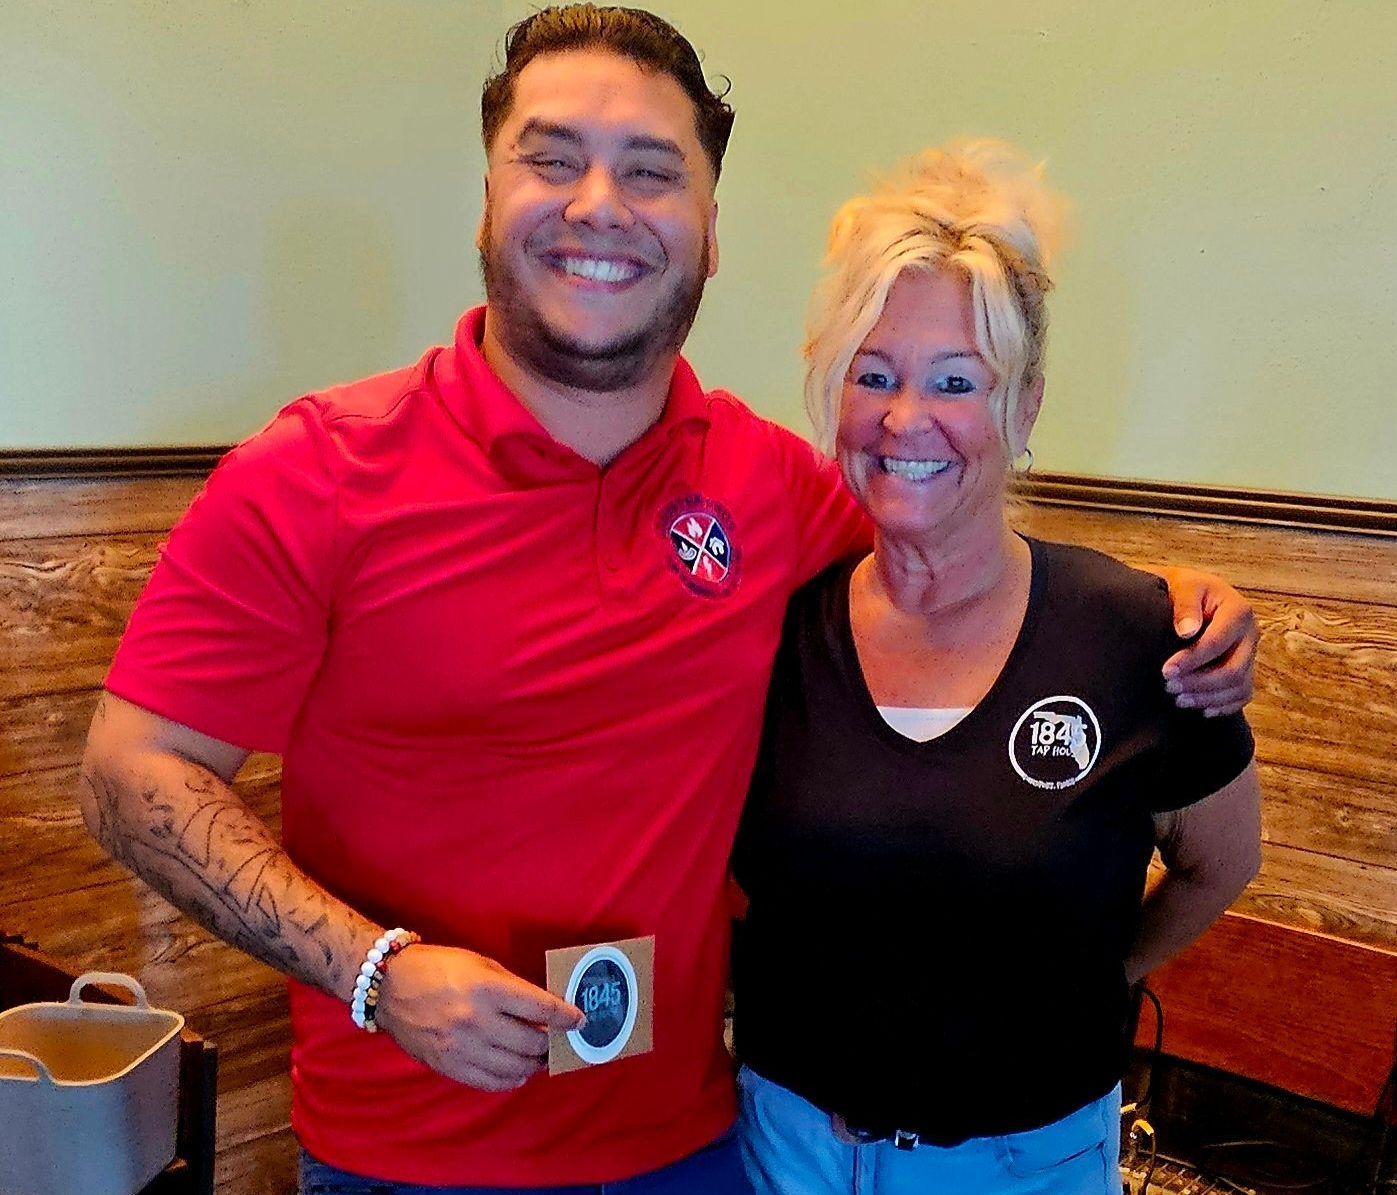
x=789, y=1148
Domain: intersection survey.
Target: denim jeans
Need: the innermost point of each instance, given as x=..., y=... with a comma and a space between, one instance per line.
x=790, y=1148
x=713, y=1170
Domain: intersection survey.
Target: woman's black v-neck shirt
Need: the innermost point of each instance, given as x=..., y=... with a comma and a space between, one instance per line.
x=936, y=933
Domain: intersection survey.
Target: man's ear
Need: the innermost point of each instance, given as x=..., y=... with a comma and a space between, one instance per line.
x=713, y=240
x=484, y=218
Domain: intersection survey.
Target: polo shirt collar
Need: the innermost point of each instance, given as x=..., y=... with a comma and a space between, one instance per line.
x=490, y=413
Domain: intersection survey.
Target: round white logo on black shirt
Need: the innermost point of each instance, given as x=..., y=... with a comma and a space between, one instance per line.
x=1055, y=742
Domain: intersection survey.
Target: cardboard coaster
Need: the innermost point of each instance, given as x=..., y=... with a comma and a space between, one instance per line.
x=614, y=984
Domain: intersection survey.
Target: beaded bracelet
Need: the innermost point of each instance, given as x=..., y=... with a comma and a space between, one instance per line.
x=364, y=1002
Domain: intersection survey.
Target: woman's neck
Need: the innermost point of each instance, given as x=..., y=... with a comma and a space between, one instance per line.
x=926, y=579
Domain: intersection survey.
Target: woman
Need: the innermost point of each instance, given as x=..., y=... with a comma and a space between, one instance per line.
x=969, y=755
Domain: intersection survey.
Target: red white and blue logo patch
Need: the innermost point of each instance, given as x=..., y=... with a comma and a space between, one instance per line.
x=702, y=548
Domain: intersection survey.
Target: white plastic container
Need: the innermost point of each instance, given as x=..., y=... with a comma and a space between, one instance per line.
x=89, y=1093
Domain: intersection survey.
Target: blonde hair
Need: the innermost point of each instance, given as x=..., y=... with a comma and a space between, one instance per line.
x=979, y=206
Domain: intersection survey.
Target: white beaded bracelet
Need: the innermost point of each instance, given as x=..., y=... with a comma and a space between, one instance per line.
x=364, y=1001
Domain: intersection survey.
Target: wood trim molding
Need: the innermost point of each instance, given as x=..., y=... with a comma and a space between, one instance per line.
x=1319, y=512
x=179, y=461
x=1316, y=512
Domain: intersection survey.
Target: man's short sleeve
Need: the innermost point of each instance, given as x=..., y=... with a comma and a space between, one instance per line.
x=1199, y=756
x=232, y=625
x=829, y=524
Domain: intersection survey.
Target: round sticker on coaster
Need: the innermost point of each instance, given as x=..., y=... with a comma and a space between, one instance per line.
x=603, y=986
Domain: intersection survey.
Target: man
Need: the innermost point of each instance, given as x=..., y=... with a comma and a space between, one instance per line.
x=509, y=616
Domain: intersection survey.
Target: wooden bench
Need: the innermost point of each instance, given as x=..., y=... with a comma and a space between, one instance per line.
x=1307, y=1013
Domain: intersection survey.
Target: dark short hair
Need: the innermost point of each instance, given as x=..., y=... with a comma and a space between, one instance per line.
x=647, y=40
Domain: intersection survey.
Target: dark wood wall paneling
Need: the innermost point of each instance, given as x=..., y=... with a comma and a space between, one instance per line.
x=76, y=545
x=1326, y=704
x=1298, y=986
x=79, y=533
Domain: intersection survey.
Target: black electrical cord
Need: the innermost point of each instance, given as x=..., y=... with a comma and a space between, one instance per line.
x=1140, y=1127
x=1207, y=1174
x=1143, y=993
x=1271, y=1184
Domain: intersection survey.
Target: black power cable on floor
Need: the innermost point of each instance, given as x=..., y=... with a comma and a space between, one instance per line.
x=1143, y=993
x=1291, y=1159
x=1141, y=1134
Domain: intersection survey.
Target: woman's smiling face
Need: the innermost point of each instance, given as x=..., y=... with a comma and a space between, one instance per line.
x=918, y=439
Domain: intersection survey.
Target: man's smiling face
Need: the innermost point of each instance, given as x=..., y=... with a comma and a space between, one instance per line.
x=599, y=225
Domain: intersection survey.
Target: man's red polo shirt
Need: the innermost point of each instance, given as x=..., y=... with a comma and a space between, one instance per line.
x=518, y=698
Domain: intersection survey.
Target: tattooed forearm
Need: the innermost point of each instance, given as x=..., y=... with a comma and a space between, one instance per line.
x=189, y=835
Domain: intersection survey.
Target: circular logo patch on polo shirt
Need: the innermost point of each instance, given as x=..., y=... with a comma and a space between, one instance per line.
x=603, y=986
x=703, y=550
x=1055, y=742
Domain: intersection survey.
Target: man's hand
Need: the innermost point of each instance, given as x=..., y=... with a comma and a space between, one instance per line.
x=468, y=1018
x=1214, y=673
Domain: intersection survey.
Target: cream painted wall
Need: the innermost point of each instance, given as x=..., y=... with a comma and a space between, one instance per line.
x=210, y=207
x=220, y=205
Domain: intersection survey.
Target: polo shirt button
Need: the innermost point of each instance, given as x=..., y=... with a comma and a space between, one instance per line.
x=611, y=564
